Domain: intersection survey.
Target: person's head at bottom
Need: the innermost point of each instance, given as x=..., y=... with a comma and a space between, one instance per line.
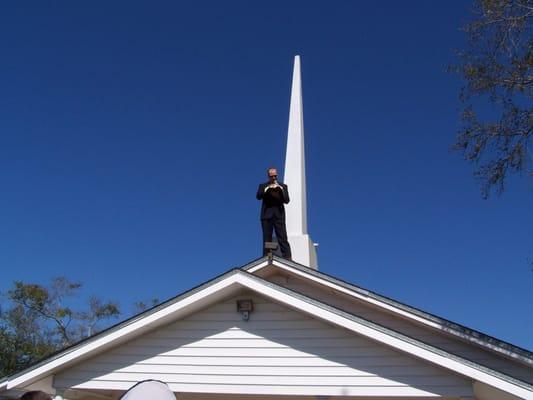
x=149, y=390
x=36, y=395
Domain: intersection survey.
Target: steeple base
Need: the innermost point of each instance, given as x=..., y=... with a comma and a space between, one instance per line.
x=303, y=251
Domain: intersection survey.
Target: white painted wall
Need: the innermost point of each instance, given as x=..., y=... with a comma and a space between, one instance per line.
x=279, y=351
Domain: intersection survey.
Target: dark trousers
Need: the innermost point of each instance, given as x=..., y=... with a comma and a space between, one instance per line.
x=277, y=224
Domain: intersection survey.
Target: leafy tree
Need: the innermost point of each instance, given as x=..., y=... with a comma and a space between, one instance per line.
x=496, y=67
x=36, y=321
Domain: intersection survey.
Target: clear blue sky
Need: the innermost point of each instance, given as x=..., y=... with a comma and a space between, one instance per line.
x=133, y=135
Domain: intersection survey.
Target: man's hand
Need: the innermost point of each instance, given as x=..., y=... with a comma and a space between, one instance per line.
x=273, y=186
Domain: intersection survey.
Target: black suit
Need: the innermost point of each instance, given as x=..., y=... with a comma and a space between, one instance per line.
x=273, y=215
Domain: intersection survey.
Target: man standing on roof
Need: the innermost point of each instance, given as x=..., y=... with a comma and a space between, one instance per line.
x=274, y=195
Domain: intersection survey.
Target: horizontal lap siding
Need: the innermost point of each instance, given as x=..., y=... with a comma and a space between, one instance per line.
x=425, y=334
x=307, y=361
x=244, y=388
x=276, y=351
x=256, y=370
x=273, y=379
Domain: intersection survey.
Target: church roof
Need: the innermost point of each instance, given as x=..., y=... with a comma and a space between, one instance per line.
x=215, y=289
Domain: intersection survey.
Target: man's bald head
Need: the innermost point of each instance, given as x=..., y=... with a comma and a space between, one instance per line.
x=272, y=174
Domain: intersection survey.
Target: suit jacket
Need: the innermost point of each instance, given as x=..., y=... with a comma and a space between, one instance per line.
x=272, y=206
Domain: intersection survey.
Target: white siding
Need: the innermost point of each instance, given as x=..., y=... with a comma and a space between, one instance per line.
x=407, y=327
x=278, y=351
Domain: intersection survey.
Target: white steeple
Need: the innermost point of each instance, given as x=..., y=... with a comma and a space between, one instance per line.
x=303, y=249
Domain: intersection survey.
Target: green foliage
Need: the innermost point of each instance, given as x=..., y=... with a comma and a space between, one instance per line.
x=35, y=321
x=497, y=70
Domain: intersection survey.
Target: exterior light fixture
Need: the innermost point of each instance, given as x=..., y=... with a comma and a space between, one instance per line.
x=245, y=307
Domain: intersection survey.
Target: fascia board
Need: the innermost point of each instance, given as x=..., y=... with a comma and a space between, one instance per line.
x=256, y=264
x=433, y=323
x=397, y=341
x=195, y=301
x=349, y=292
